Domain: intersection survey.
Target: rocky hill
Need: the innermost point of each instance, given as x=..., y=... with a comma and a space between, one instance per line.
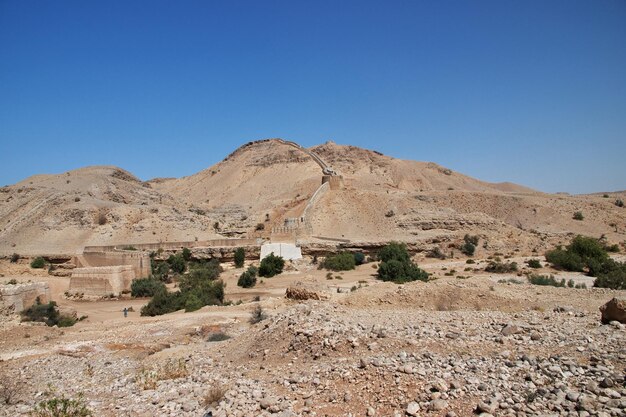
x=269, y=181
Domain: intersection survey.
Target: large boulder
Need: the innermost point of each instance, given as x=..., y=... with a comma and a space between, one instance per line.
x=614, y=310
x=301, y=294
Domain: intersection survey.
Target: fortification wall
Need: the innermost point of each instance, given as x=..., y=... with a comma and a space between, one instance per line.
x=139, y=261
x=21, y=296
x=101, y=281
x=175, y=245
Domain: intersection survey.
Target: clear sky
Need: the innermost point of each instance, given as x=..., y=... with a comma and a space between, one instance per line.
x=532, y=92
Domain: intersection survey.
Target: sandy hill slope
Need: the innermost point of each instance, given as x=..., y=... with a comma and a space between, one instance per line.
x=96, y=205
x=268, y=181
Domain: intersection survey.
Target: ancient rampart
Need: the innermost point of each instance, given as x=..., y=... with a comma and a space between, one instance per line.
x=102, y=281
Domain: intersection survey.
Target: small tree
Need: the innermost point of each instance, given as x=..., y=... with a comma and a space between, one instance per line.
x=343, y=261
x=38, y=263
x=192, y=303
x=186, y=254
x=145, y=287
x=248, y=278
x=177, y=263
x=240, y=256
x=271, y=265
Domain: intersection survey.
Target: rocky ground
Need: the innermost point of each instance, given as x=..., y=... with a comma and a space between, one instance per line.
x=444, y=348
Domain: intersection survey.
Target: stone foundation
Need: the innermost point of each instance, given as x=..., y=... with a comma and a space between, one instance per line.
x=19, y=297
x=102, y=281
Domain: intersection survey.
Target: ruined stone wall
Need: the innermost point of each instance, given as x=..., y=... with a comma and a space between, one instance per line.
x=139, y=261
x=21, y=296
x=102, y=281
x=176, y=245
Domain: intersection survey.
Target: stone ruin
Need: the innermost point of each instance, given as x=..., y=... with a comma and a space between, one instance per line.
x=18, y=297
x=101, y=281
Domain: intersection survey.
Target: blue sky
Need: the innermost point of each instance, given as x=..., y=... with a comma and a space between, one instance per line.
x=532, y=92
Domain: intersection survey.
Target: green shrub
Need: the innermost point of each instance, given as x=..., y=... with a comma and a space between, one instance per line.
x=468, y=248
x=186, y=253
x=47, y=313
x=394, y=250
x=192, y=303
x=359, y=258
x=436, y=253
x=501, y=268
x=545, y=280
x=218, y=337
x=240, y=257
x=578, y=215
x=248, y=278
x=613, y=248
x=396, y=265
x=271, y=265
x=38, y=263
x=534, y=263
x=62, y=407
x=580, y=253
x=257, y=315
x=145, y=287
x=470, y=261
x=619, y=203
x=563, y=259
x=177, y=263
x=399, y=271
x=343, y=261
x=200, y=287
x=611, y=275
x=471, y=239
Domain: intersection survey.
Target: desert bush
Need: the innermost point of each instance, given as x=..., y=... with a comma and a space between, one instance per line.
x=47, y=313
x=471, y=239
x=545, y=280
x=619, y=203
x=259, y=227
x=534, y=263
x=470, y=261
x=177, y=263
x=501, y=268
x=396, y=265
x=343, y=261
x=399, y=272
x=468, y=248
x=436, y=253
x=271, y=265
x=240, y=257
x=145, y=287
x=198, y=285
x=62, y=407
x=38, y=263
x=257, y=315
x=394, y=250
x=248, y=278
x=14, y=258
x=611, y=275
x=612, y=248
x=580, y=253
x=218, y=337
x=186, y=253
x=192, y=303
x=578, y=216
x=129, y=247
x=359, y=258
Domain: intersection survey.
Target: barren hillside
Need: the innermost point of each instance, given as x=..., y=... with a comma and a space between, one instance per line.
x=268, y=181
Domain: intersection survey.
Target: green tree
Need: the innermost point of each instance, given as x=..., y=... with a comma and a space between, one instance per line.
x=240, y=257
x=271, y=265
